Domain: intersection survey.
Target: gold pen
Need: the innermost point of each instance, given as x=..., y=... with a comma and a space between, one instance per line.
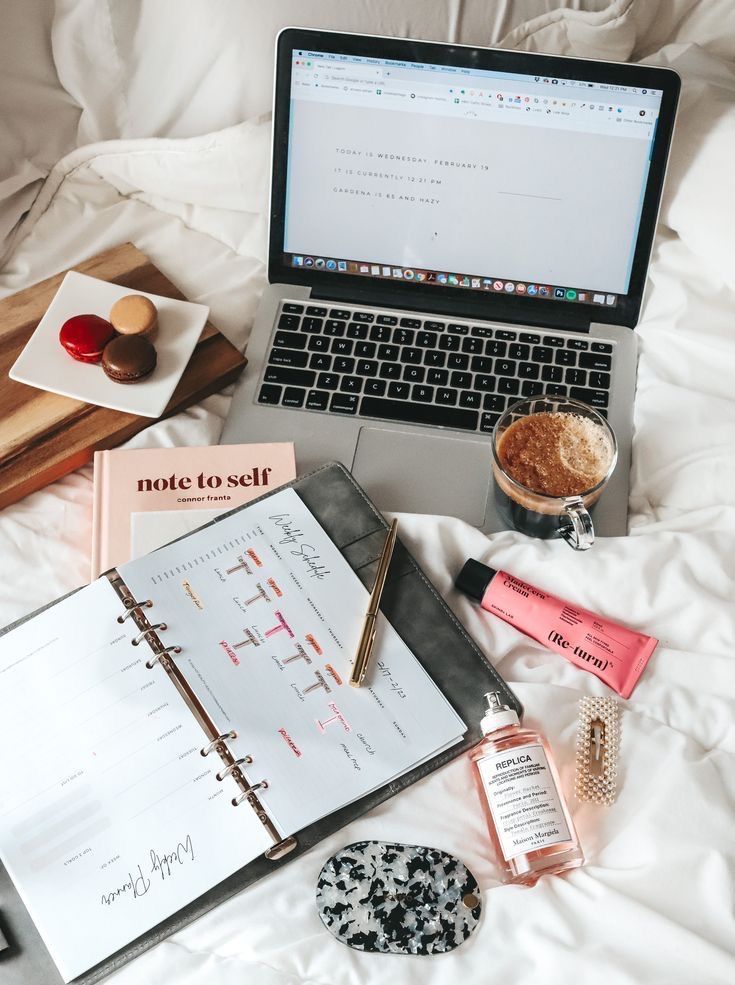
x=367, y=637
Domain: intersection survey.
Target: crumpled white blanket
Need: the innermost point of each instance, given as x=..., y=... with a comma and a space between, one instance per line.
x=654, y=902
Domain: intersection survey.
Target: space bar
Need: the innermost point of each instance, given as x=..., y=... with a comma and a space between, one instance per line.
x=399, y=410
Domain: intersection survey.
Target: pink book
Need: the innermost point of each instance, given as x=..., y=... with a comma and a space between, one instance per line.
x=147, y=497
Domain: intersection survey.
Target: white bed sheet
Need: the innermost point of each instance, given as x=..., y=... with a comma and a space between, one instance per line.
x=654, y=902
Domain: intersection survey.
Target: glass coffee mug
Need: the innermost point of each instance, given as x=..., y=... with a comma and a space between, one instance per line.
x=582, y=452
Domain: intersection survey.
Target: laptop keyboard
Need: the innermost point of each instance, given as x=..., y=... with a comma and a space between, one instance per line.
x=421, y=371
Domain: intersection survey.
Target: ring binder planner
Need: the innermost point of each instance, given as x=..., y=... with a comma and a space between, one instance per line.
x=228, y=769
x=205, y=751
x=161, y=655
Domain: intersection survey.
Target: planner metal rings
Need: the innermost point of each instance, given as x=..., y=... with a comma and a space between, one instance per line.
x=205, y=751
x=247, y=760
x=151, y=629
x=145, y=604
x=261, y=785
x=163, y=653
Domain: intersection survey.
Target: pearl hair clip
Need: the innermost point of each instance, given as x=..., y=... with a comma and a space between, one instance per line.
x=597, y=750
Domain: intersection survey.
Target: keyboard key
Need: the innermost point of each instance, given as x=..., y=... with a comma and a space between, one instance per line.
x=340, y=313
x=505, y=367
x=341, y=347
x=411, y=355
x=366, y=349
x=423, y=393
x=318, y=344
x=458, y=329
x=556, y=390
x=472, y=345
x=380, y=333
x=510, y=386
x=290, y=340
x=600, y=381
x=530, y=338
x=390, y=371
x=484, y=383
x=566, y=357
x=553, y=340
x=470, y=398
x=328, y=381
x=488, y=422
x=446, y=397
x=399, y=391
x=414, y=374
x=505, y=336
x=576, y=377
x=270, y=394
x=595, y=398
x=601, y=347
x=343, y=365
x=366, y=367
x=287, y=357
x=317, y=400
x=388, y=352
x=289, y=321
x=312, y=325
x=462, y=381
x=437, y=377
x=435, y=358
x=494, y=401
x=410, y=323
x=434, y=326
x=578, y=344
x=334, y=328
x=366, y=316
x=458, y=360
x=320, y=360
x=552, y=374
x=314, y=310
x=591, y=360
x=344, y=403
x=291, y=308
x=531, y=388
x=403, y=336
x=350, y=384
x=495, y=348
x=293, y=397
x=425, y=339
x=419, y=413
x=542, y=354
x=482, y=331
x=449, y=343
x=481, y=364
x=528, y=371
x=357, y=331
x=518, y=351
x=386, y=320
x=376, y=388
x=289, y=377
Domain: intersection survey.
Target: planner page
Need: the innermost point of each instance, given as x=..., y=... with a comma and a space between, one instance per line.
x=268, y=614
x=110, y=819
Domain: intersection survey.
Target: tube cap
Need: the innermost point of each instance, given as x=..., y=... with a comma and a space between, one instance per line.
x=474, y=578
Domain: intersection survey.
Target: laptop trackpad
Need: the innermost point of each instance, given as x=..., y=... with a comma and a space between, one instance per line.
x=406, y=472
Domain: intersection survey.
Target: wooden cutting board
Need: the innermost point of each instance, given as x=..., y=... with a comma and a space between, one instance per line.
x=43, y=435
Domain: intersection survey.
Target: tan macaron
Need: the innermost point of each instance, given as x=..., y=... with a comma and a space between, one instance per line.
x=134, y=315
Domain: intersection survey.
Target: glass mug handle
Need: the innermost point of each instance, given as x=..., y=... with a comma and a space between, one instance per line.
x=576, y=526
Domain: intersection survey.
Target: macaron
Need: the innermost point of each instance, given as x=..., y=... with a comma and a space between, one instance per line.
x=129, y=359
x=85, y=336
x=134, y=314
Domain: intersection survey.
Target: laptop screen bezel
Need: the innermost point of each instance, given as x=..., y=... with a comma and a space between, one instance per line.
x=471, y=303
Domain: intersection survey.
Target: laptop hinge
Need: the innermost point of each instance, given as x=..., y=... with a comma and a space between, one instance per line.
x=562, y=316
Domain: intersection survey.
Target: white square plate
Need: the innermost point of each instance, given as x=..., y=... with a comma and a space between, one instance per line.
x=46, y=365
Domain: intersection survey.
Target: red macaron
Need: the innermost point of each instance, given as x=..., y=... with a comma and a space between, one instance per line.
x=85, y=336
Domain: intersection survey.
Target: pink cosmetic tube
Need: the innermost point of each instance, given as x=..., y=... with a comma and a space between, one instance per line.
x=612, y=652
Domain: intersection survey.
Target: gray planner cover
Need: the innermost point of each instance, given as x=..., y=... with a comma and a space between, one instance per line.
x=432, y=633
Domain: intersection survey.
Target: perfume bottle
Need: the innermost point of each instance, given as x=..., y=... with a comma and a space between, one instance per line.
x=529, y=823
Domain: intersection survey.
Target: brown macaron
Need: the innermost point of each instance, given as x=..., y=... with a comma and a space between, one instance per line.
x=134, y=314
x=129, y=359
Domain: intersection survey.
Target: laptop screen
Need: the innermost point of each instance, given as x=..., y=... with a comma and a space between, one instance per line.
x=466, y=179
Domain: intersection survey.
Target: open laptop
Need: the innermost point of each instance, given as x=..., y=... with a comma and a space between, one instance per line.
x=451, y=229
